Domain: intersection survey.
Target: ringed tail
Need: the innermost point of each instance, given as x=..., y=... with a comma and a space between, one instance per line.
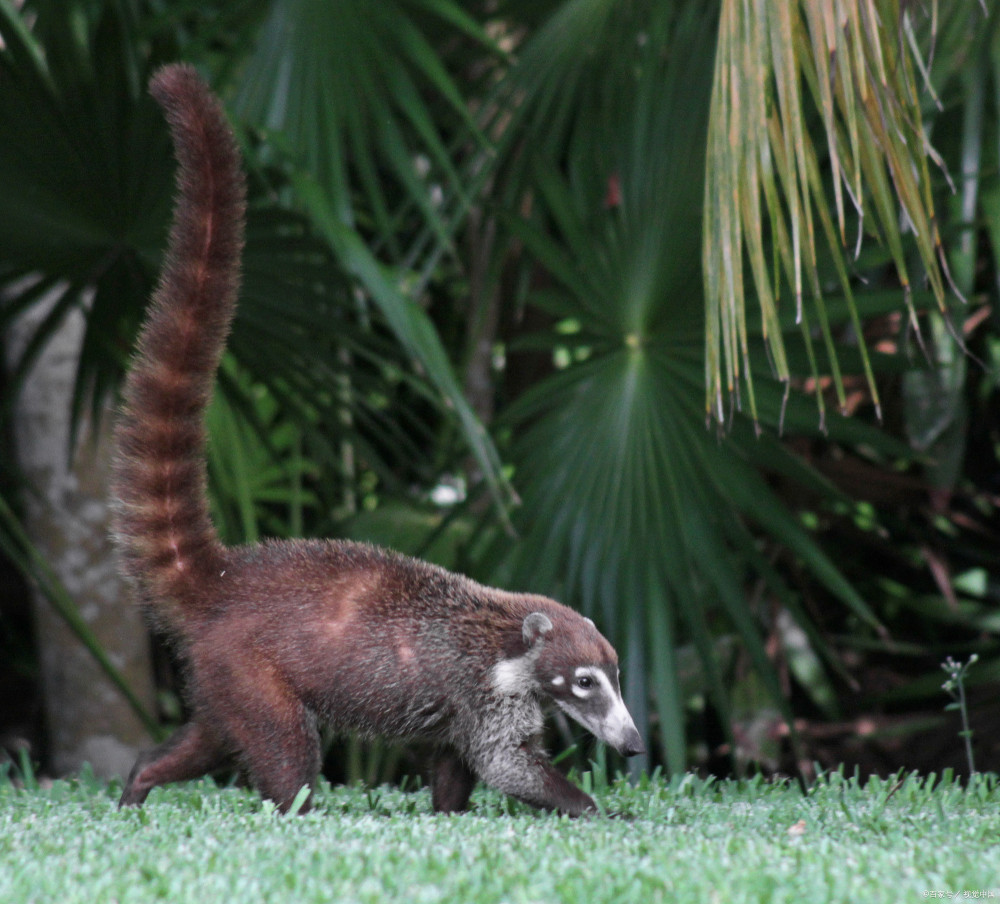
x=168, y=545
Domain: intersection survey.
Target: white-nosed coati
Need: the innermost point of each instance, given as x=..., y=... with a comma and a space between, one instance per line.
x=279, y=636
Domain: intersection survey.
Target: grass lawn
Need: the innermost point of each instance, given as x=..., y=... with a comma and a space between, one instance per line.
x=679, y=840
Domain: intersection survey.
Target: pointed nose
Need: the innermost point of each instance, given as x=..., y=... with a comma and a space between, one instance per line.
x=631, y=744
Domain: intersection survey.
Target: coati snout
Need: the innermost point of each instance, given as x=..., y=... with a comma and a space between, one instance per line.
x=280, y=636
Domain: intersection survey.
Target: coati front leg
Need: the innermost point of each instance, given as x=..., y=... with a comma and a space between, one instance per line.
x=188, y=753
x=526, y=773
x=451, y=783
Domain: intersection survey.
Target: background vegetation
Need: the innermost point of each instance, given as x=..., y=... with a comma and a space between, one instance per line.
x=474, y=327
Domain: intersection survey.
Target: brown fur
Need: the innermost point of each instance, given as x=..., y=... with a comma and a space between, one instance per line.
x=279, y=635
x=168, y=544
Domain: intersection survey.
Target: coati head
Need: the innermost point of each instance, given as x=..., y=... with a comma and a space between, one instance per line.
x=571, y=664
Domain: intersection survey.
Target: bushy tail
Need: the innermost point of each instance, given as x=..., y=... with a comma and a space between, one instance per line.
x=167, y=542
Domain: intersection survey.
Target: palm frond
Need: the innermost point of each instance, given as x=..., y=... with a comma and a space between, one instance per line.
x=616, y=508
x=86, y=216
x=353, y=91
x=861, y=64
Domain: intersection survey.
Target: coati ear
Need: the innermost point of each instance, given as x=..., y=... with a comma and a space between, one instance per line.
x=534, y=627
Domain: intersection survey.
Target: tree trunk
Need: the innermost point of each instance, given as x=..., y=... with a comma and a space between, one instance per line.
x=66, y=515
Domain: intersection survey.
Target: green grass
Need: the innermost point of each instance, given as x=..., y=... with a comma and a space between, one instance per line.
x=679, y=840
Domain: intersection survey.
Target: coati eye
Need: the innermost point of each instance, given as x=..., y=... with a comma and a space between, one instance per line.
x=585, y=681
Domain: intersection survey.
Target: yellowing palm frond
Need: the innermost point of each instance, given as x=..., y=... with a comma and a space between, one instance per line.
x=861, y=63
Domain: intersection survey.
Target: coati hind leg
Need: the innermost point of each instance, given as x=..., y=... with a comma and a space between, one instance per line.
x=274, y=736
x=451, y=783
x=188, y=753
x=281, y=759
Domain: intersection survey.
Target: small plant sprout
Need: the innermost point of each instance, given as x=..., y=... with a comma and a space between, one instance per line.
x=954, y=687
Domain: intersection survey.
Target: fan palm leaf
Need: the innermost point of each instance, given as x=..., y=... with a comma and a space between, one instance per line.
x=630, y=506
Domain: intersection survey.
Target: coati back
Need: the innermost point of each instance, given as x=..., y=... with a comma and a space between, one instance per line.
x=278, y=636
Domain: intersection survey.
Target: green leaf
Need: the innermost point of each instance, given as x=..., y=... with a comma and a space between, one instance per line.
x=408, y=321
x=347, y=88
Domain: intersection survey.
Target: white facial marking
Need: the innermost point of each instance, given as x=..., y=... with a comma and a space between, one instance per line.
x=617, y=722
x=595, y=675
x=559, y=681
x=605, y=683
